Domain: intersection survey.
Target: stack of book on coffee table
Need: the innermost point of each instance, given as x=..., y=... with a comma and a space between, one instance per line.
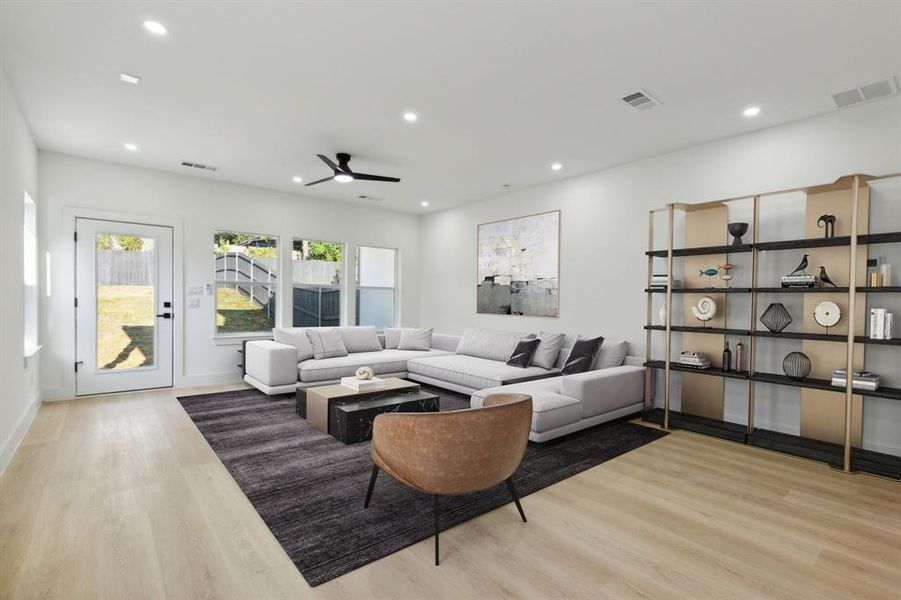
x=863, y=380
x=693, y=360
x=800, y=281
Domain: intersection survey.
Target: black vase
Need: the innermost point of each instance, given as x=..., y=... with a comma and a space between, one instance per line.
x=796, y=365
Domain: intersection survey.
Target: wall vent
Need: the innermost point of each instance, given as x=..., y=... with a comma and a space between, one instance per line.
x=200, y=166
x=640, y=101
x=865, y=93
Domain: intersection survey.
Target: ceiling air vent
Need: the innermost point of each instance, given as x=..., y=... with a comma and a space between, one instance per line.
x=865, y=93
x=200, y=166
x=640, y=101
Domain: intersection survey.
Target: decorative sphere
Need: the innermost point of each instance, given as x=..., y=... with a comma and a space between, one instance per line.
x=365, y=373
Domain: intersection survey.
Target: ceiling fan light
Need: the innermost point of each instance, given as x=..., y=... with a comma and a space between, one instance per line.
x=343, y=178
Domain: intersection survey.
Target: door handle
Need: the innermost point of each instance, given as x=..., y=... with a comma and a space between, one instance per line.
x=166, y=315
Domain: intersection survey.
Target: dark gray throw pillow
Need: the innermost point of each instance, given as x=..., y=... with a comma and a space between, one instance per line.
x=582, y=355
x=522, y=354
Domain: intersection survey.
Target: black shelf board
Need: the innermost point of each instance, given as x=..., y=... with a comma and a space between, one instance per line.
x=889, y=237
x=862, y=339
x=827, y=452
x=807, y=382
x=877, y=463
x=685, y=329
x=700, y=251
x=702, y=291
x=712, y=371
x=802, y=290
x=825, y=384
x=801, y=335
x=804, y=243
x=886, y=289
x=734, y=432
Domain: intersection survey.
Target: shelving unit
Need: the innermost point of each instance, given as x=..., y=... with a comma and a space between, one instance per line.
x=851, y=193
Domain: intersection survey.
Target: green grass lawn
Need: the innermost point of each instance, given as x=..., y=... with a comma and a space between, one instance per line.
x=237, y=313
x=125, y=321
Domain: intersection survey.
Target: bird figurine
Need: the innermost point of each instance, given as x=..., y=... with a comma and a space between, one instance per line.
x=801, y=267
x=711, y=272
x=824, y=277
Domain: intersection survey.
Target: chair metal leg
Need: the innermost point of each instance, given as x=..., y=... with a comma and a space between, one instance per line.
x=512, y=489
x=436, y=530
x=372, y=478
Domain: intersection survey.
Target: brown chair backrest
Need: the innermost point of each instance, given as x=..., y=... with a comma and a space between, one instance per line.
x=454, y=452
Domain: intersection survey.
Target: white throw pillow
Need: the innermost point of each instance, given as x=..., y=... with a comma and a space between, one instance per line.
x=392, y=337
x=360, y=339
x=612, y=354
x=326, y=342
x=297, y=337
x=546, y=354
x=415, y=339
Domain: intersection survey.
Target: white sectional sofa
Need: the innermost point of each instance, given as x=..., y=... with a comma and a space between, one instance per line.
x=474, y=364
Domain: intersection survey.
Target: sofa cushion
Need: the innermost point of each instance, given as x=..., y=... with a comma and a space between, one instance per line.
x=326, y=342
x=612, y=354
x=392, y=337
x=582, y=355
x=415, y=339
x=522, y=354
x=382, y=362
x=271, y=363
x=360, y=339
x=604, y=390
x=488, y=343
x=470, y=371
x=546, y=354
x=297, y=337
x=550, y=409
x=445, y=341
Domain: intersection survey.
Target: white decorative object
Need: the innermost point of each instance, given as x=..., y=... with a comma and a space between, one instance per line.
x=365, y=373
x=705, y=309
x=827, y=314
x=661, y=314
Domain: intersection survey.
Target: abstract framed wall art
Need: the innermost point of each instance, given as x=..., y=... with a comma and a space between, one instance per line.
x=519, y=265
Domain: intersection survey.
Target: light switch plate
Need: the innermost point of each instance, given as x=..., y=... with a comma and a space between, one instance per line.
x=195, y=290
x=193, y=303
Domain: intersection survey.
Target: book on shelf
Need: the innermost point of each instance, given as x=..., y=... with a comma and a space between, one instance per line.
x=881, y=322
x=693, y=360
x=800, y=281
x=862, y=380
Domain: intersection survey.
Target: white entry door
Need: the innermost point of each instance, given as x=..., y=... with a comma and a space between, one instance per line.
x=124, y=306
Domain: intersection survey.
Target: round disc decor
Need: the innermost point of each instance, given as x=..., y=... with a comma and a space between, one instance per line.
x=827, y=314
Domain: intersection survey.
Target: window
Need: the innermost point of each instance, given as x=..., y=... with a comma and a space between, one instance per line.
x=318, y=277
x=30, y=280
x=375, y=286
x=246, y=274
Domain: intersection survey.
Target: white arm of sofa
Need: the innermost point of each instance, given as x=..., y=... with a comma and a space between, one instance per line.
x=625, y=384
x=270, y=362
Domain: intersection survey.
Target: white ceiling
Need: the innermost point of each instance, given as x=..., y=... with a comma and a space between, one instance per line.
x=502, y=89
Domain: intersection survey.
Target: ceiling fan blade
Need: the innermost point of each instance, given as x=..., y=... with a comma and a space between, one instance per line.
x=329, y=162
x=365, y=177
x=320, y=181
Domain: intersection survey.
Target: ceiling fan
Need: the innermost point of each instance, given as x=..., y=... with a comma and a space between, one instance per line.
x=343, y=174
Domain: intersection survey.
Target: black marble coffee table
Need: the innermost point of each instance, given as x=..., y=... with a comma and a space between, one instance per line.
x=351, y=420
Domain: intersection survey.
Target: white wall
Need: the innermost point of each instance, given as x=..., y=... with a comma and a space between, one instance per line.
x=196, y=207
x=604, y=220
x=18, y=174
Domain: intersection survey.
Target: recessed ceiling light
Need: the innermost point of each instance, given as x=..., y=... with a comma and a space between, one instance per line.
x=556, y=166
x=297, y=179
x=155, y=28
x=133, y=79
x=752, y=111
x=410, y=117
x=343, y=178
x=424, y=203
x=130, y=147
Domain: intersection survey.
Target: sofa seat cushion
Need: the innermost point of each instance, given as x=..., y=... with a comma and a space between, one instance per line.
x=382, y=361
x=550, y=409
x=471, y=371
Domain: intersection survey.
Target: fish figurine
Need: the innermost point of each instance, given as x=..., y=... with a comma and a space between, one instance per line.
x=726, y=267
x=711, y=272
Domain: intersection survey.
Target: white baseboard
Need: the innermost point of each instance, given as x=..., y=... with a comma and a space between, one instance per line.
x=18, y=434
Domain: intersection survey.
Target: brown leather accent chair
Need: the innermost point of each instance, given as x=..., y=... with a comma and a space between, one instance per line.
x=452, y=453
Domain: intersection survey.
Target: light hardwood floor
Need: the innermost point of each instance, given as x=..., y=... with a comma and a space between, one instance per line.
x=121, y=497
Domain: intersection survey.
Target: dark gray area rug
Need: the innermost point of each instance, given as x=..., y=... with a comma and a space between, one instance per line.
x=309, y=488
